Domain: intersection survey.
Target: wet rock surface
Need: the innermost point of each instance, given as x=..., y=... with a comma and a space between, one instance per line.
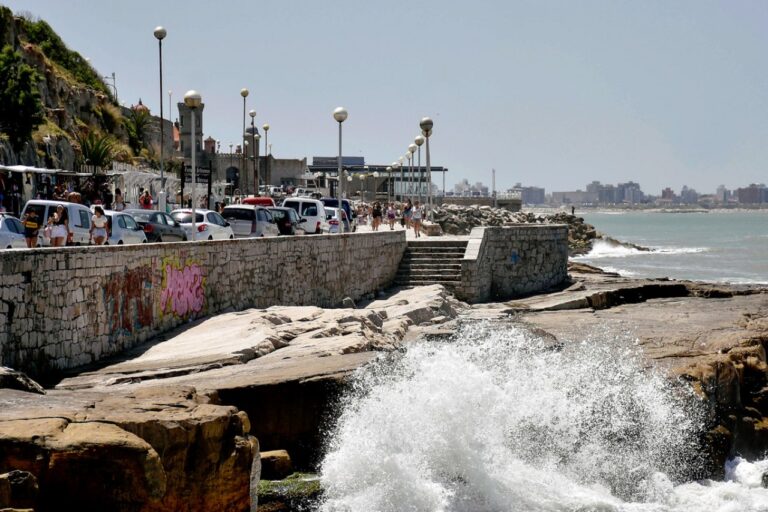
x=174, y=424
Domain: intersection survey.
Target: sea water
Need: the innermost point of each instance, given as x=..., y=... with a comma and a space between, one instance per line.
x=498, y=419
x=717, y=246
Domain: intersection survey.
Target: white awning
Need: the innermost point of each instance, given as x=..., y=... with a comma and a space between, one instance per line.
x=25, y=168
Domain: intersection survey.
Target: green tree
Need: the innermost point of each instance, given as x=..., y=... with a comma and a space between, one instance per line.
x=21, y=110
x=136, y=126
x=95, y=149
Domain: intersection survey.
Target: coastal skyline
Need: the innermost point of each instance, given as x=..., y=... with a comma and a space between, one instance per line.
x=552, y=95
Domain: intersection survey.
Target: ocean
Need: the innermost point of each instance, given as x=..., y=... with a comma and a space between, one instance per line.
x=718, y=246
x=495, y=420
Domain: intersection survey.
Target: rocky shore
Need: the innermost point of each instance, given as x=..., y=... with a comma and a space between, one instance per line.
x=459, y=220
x=186, y=416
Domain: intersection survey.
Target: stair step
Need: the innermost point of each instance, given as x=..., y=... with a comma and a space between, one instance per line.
x=429, y=277
x=438, y=266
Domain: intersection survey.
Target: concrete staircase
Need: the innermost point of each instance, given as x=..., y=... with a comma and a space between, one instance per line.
x=431, y=262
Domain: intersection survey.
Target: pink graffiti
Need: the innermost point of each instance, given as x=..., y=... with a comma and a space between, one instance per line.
x=183, y=293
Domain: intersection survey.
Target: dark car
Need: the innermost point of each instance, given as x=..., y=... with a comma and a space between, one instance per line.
x=288, y=221
x=158, y=226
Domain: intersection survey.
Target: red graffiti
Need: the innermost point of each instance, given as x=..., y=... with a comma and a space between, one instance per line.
x=128, y=300
x=183, y=290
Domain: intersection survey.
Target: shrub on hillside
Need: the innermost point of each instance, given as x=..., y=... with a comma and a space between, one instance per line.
x=21, y=110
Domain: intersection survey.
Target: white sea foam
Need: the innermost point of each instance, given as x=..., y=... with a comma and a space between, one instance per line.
x=498, y=420
x=606, y=249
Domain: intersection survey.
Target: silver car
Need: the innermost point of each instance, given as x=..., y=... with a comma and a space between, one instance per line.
x=250, y=221
x=11, y=232
x=123, y=229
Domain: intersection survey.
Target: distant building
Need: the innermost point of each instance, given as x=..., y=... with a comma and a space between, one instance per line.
x=722, y=194
x=688, y=195
x=753, y=194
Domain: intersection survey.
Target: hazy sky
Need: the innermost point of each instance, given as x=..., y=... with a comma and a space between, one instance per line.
x=552, y=94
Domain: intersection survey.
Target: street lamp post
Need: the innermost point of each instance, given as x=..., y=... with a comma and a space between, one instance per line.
x=419, y=140
x=267, y=177
x=426, y=128
x=193, y=100
x=402, y=175
x=340, y=115
x=256, y=179
x=160, y=34
x=244, y=157
x=389, y=175
x=375, y=177
x=411, y=151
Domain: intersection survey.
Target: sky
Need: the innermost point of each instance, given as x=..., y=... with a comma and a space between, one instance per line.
x=553, y=94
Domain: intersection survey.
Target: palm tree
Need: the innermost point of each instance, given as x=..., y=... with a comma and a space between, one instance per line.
x=96, y=149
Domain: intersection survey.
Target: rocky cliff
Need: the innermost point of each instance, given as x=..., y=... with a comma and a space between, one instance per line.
x=73, y=94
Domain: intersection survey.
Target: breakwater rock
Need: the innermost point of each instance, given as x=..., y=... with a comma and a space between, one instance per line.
x=173, y=425
x=459, y=220
x=150, y=450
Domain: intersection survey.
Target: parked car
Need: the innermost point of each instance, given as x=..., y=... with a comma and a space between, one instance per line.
x=123, y=229
x=332, y=215
x=158, y=226
x=79, y=219
x=332, y=202
x=11, y=232
x=259, y=201
x=288, y=221
x=249, y=221
x=310, y=209
x=209, y=224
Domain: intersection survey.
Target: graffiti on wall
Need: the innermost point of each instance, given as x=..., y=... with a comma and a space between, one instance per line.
x=128, y=300
x=183, y=288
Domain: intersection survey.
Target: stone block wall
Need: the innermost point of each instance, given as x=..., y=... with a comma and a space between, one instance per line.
x=66, y=307
x=510, y=261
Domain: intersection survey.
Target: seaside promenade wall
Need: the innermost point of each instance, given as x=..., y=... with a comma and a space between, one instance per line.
x=63, y=308
x=509, y=261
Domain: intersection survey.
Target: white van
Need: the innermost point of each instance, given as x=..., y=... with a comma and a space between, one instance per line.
x=79, y=219
x=310, y=209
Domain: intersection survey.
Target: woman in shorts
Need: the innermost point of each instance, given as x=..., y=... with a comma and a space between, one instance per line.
x=59, y=226
x=416, y=215
x=31, y=225
x=98, y=226
x=376, y=215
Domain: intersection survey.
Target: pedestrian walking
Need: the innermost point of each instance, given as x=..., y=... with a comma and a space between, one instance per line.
x=31, y=224
x=59, y=223
x=416, y=215
x=119, y=201
x=376, y=214
x=391, y=214
x=98, y=232
x=145, y=201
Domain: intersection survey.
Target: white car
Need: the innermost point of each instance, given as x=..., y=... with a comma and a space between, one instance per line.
x=123, y=229
x=11, y=232
x=310, y=209
x=209, y=225
x=332, y=215
x=79, y=219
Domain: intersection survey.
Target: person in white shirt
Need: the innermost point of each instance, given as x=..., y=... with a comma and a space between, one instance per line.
x=98, y=226
x=416, y=216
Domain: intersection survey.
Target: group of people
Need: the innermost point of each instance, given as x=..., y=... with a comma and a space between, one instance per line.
x=411, y=216
x=57, y=227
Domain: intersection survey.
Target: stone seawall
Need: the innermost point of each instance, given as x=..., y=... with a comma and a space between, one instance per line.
x=64, y=308
x=509, y=261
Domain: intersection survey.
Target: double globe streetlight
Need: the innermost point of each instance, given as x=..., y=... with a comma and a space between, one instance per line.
x=255, y=148
x=426, y=130
x=193, y=100
x=340, y=115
